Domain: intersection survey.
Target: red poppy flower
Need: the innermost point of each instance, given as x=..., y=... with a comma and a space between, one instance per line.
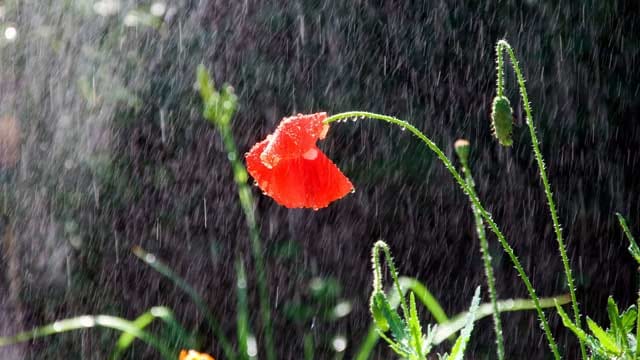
x=289, y=167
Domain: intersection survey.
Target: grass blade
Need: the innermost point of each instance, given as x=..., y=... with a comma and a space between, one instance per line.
x=457, y=352
x=243, y=310
x=446, y=330
x=89, y=321
x=144, y=320
x=178, y=281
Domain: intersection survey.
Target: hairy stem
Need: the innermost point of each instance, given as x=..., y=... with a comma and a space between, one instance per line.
x=500, y=48
x=246, y=202
x=476, y=202
x=377, y=273
x=486, y=258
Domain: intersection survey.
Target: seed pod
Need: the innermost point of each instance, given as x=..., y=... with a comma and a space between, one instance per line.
x=502, y=120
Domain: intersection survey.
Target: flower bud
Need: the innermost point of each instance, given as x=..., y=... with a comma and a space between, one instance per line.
x=502, y=120
x=462, y=148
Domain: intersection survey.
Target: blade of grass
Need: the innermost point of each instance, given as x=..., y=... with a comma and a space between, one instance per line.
x=243, y=310
x=457, y=352
x=141, y=322
x=178, y=281
x=89, y=321
x=308, y=346
x=444, y=331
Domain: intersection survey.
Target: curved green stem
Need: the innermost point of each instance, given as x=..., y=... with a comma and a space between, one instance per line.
x=219, y=108
x=181, y=283
x=486, y=258
x=246, y=202
x=476, y=202
x=500, y=48
x=377, y=273
x=88, y=321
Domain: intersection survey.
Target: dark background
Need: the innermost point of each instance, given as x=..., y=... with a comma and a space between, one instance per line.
x=94, y=97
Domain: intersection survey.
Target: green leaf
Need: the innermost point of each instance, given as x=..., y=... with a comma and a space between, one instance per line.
x=182, y=284
x=204, y=84
x=242, y=317
x=568, y=323
x=457, y=352
x=397, y=326
x=89, y=321
x=628, y=319
x=633, y=246
x=616, y=324
x=414, y=326
x=144, y=320
x=429, y=340
x=605, y=339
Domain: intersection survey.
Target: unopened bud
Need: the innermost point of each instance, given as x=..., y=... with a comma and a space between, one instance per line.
x=502, y=120
x=462, y=148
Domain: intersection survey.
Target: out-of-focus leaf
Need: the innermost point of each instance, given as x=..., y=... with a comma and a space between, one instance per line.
x=413, y=323
x=457, y=352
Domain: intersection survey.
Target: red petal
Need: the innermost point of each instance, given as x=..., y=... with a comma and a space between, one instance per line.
x=311, y=182
x=294, y=136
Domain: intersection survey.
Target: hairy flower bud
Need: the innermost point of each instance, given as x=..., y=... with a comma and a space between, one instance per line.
x=462, y=148
x=502, y=120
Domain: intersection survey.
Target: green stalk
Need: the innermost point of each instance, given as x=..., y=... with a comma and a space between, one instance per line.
x=486, y=258
x=500, y=48
x=88, y=321
x=474, y=199
x=246, y=202
x=242, y=316
x=178, y=281
x=377, y=273
x=219, y=108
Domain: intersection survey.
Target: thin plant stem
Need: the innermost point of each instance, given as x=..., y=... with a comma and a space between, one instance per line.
x=242, y=316
x=246, y=202
x=486, y=258
x=500, y=48
x=178, y=281
x=377, y=281
x=474, y=199
x=89, y=321
x=635, y=252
